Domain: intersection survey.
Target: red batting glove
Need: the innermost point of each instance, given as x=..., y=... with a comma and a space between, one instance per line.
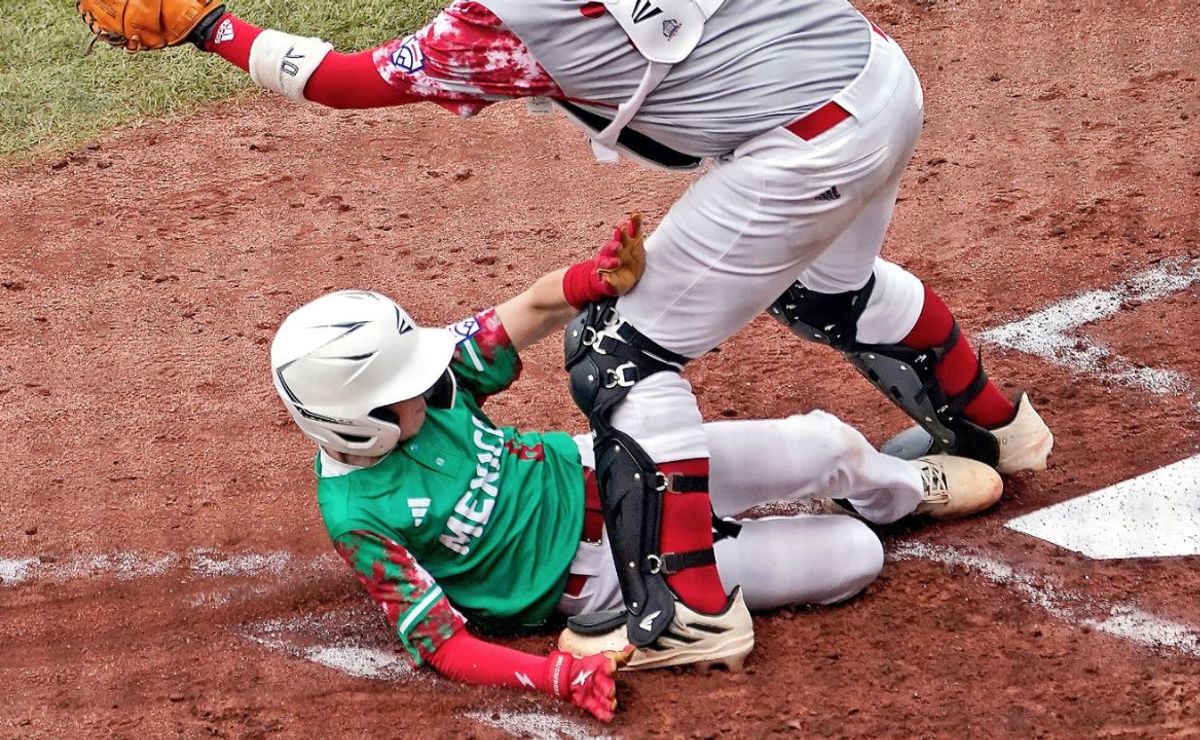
x=612, y=271
x=587, y=683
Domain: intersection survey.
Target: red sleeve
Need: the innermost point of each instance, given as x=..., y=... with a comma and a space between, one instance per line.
x=468, y=659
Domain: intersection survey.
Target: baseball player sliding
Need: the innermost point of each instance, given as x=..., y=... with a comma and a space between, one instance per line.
x=809, y=114
x=446, y=516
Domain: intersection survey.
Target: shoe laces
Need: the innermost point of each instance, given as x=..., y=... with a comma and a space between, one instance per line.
x=933, y=481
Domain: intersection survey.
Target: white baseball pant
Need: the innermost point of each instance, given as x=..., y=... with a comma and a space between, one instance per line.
x=803, y=559
x=750, y=225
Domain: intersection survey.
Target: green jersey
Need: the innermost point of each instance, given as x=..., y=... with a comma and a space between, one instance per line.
x=466, y=518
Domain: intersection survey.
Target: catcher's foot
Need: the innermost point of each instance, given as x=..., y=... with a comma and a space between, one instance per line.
x=693, y=638
x=1024, y=443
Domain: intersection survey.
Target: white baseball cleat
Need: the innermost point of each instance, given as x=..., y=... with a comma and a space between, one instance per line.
x=955, y=487
x=693, y=638
x=1022, y=444
x=1025, y=442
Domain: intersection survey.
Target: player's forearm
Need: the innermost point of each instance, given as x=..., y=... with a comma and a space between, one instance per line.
x=308, y=69
x=536, y=312
x=585, y=682
x=470, y=660
x=339, y=80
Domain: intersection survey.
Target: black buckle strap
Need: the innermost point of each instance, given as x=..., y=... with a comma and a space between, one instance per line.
x=669, y=563
x=956, y=405
x=648, y=346
x=951, y=407
x=679, y=483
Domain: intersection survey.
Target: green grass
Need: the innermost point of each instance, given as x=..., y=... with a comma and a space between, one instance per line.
x=52, y=97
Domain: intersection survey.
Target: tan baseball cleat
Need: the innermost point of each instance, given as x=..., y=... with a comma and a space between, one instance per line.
x=955, y=487
x=693, y=638
x=1025, y=442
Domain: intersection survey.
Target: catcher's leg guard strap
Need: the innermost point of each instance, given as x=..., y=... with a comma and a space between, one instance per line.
x=906, y=376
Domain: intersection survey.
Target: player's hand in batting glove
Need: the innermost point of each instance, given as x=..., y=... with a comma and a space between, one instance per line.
x=588, y=682
x=145, y=25
x=613, y=271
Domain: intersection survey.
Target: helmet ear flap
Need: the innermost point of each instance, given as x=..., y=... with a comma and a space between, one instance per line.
x=387, y=416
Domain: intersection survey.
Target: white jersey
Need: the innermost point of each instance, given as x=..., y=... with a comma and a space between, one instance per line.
x=759, y=64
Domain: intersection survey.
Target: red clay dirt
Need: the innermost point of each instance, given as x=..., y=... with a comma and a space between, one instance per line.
x=141, y=279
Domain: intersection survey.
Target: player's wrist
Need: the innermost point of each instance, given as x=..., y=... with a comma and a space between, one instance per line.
x=202, y=34
x=582, y=284
x=557, y=681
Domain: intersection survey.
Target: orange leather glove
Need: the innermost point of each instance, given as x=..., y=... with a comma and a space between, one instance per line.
x=144, y=25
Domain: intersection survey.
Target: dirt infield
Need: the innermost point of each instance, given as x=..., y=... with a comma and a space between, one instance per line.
x=163, y=567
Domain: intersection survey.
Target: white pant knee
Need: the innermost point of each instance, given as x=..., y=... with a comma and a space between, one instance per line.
x=894, y=307
x=780, y=561
x=660, y=412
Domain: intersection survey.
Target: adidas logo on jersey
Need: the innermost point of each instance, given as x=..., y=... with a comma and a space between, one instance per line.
x=830, y=194
x=643, y=11
x=419, y=508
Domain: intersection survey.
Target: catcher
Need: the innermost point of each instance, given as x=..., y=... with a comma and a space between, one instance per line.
x=810, y=114
x=445, y=516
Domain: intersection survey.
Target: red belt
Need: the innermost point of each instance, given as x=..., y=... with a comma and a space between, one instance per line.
x=593, y=526
x=825, y=117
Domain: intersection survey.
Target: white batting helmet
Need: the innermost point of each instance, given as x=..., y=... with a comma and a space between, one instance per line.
x=341, y=357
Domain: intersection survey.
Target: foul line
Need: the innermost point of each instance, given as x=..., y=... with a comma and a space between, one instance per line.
x=1052, y=333
x=1122, y=620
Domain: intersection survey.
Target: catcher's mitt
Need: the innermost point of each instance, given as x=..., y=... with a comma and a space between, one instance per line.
x=142, y=25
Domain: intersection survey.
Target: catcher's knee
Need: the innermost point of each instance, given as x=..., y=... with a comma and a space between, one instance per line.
x=827, y=318
x=606, y=357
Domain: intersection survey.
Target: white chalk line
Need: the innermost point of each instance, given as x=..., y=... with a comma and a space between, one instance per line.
x=536, y=725
x=1123, y=620
x=1052, y=333
x=333, y=650
x=129, y=565
x=380, y=664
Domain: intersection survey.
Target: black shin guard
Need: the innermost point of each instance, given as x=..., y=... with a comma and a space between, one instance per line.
x=906, y=376
x=606, y=357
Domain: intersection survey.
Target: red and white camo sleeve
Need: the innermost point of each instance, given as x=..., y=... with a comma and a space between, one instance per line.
x=466, y=49
x=463, y=60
